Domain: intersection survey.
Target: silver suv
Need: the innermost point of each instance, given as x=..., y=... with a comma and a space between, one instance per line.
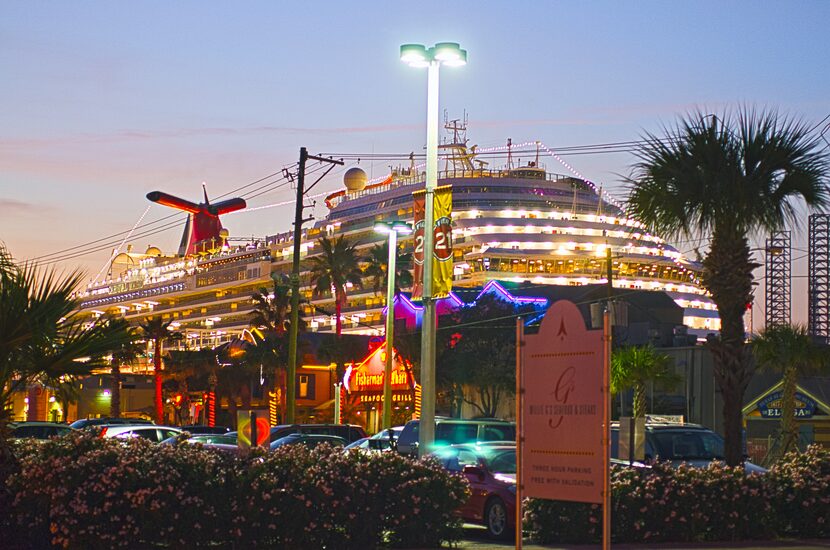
x=154, y=433
x=453, y=431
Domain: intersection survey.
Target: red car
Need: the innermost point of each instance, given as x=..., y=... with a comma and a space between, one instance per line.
x=491, y=471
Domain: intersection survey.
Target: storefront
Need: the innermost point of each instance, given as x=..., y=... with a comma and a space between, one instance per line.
x=762, y=418
x=363, y=385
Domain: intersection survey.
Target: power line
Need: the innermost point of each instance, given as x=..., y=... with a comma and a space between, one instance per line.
x=169, y=216
x=93, y=246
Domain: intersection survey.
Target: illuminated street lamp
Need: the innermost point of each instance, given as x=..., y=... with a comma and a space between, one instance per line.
x=418, y=55
x=392, y=229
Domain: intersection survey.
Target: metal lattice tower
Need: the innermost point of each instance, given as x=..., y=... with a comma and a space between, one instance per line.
x=778, y=278
x=819, y=276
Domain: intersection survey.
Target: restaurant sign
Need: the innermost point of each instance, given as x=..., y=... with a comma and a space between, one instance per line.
x=770, y=406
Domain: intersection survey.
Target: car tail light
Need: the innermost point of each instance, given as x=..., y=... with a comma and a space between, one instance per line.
x=103, y=432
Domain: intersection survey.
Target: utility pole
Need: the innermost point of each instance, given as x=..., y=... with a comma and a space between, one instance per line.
x=293, y=328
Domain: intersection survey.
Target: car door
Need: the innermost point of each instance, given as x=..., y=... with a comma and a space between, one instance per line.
x=474, y=508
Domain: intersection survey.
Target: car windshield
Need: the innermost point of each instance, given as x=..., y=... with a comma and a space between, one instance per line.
x=688, y=445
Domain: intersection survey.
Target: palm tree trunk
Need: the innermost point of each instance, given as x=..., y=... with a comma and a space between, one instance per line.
x=639, y=400
x=157, y=379
x=789, y=427
x=727, y=275
x=115, y=400
x=338, y=326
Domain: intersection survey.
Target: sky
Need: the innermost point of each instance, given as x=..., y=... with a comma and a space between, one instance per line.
x=102, y=102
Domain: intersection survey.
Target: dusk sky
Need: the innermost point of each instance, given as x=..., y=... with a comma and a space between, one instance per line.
x=102, y=102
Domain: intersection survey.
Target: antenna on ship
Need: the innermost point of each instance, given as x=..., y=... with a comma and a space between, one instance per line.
x=509, y=153
x=537, y=155
x=599, y=202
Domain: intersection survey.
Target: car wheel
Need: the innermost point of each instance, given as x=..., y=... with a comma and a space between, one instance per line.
x=495, y=518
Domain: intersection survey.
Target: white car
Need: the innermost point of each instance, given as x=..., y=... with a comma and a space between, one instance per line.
x=156, y=434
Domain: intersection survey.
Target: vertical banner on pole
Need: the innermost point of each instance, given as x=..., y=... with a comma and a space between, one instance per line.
x=442, y=268
x=562, y=408
x=418, y=239
x=442, y=272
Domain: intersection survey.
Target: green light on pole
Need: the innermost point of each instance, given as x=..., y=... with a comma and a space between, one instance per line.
x=418, y=55
x=392, y=229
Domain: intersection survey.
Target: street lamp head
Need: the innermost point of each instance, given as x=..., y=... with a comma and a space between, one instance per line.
x=446, y=53
x=402, y=228
x=450, y=54
x=399, y=227
x=415, y=55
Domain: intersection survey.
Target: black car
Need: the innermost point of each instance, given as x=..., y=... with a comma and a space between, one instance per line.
x=38, y=430
x=107, y=421
x=348, y=432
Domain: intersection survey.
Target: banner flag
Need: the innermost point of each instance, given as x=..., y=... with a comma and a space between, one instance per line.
x=418, y=256
x=442, y=266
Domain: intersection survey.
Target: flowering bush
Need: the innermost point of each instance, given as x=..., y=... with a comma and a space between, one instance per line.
x=664, y=504
x=800, y=488
x=84, y=492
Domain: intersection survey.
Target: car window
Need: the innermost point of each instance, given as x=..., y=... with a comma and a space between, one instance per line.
x=454, y=460
x=491, y=432
x=689, y=445
x=504, y=463
x=167, y=433
x=409, y=434
x=27, y=431
x=453, y=432
x=152, y=435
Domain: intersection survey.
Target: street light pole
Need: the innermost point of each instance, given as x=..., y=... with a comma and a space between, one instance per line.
x=417, y=55
x=426, y=432
x=392, y=229
x=390, y=329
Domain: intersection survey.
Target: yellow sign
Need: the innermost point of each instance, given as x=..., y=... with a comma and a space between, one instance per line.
x=442, y=258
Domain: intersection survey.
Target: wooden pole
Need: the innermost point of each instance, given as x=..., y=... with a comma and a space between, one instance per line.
x=606, y=431
x=519, y=432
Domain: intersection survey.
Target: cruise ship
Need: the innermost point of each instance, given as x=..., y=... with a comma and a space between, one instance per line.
x=517, y=223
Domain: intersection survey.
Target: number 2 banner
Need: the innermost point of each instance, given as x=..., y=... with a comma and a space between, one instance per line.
x=442, y=267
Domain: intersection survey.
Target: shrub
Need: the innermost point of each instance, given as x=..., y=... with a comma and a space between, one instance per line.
x=718, y=503
x=84, y=492
x=800, y=487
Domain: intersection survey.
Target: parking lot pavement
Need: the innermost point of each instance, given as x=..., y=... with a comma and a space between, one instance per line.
x=476, y=537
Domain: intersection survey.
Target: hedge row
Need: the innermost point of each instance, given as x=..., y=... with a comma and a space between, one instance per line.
x=663, y=504
x=84, y=492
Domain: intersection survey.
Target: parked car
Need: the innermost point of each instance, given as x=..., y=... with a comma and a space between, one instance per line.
x=84, y=423
x=154, y=433
x=383, y=441
x=38, y=430
x=491, y=471
x=348, y=432
x=309, y=440
x=203, y=429
x=455, y=431
x=691, y=444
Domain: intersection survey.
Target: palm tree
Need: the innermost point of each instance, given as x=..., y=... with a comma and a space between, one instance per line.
x=791, y=351
x=271, y=317
x=125, y=354
x=727, y=179
x=634, y=367
x=42, y=339
x=158, y=330
x=377, y=266
x=337, y=266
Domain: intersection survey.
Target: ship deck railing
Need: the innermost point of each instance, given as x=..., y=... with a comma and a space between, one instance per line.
x=405, y=181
